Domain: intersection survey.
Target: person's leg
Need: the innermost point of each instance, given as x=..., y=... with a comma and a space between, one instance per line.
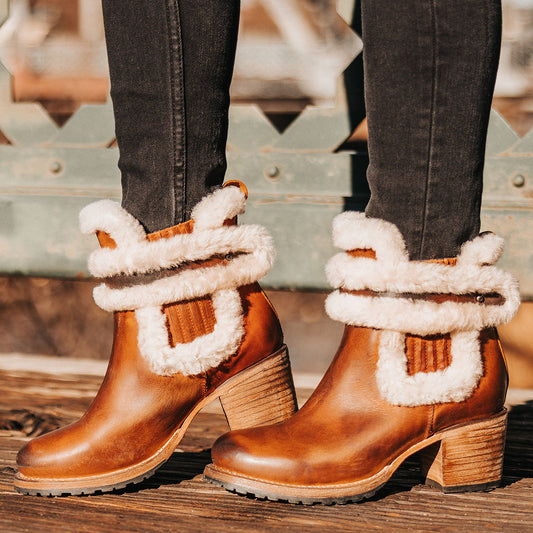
x=189, y=313
x=419, y=366
x=170, y=64
x=430, y=67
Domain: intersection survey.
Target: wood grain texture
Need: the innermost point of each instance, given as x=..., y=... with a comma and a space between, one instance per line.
x=469, y=456
x=269, y=396
x=176, y=498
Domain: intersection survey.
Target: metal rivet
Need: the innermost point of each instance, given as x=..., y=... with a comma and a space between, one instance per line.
x=480, y=298
x=56, y=167
x=273, y=171
x=519, y=180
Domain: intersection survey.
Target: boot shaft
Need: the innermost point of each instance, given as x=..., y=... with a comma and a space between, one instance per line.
x=191, y=286
x=435, y=318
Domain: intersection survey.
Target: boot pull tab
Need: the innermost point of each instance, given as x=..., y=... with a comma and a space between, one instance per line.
x=237, y=183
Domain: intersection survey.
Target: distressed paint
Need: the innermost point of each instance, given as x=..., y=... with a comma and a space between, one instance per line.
x=91, y=126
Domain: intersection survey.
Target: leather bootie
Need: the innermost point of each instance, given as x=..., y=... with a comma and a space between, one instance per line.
x=419, y=368
x=191, y=325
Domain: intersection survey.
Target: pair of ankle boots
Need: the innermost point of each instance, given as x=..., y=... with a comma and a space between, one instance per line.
x=419, y=368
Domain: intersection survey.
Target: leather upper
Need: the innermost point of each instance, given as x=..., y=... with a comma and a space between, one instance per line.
x=136, y=411
x=346, y=431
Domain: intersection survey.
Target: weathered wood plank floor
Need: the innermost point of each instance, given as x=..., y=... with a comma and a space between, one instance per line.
x=176, y=498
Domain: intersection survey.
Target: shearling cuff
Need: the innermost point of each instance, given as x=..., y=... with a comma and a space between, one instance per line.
x=396, y=305
x=143, y=276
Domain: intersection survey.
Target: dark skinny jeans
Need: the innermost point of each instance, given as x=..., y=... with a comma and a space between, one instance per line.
x=430, y=67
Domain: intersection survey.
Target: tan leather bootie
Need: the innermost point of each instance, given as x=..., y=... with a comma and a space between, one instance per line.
x=191, y=325
x=419, y=368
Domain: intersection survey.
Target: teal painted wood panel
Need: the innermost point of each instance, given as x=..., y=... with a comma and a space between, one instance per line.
x=39, y=209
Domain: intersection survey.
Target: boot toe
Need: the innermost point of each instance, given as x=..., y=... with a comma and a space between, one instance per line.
x=38, y=453
x=27, y=456
x=228, y=451
x=252, y=453
x=37, y=459
x=54, y=455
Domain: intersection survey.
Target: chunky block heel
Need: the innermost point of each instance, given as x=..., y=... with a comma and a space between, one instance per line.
x=264, y=394
x=468, y=458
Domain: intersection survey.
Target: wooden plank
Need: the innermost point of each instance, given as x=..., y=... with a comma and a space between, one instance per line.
x=177, y=498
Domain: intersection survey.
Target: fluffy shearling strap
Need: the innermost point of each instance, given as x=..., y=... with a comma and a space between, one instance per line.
x=392, y=272
x=144, y=275
x=250, y=246
x=382, y=293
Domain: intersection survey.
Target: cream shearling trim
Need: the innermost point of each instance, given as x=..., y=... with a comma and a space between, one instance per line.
x=202, y=353
x=189, y=284
x=351, y=273
x=392, y=272
x=483, y=250
x=472, y=274
x=108, y=216
x=219, y=206
x=252, y=254
x=453, y=384
x=135, y=255
x=152, y=256
x=353, y=230
x=417, y=317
